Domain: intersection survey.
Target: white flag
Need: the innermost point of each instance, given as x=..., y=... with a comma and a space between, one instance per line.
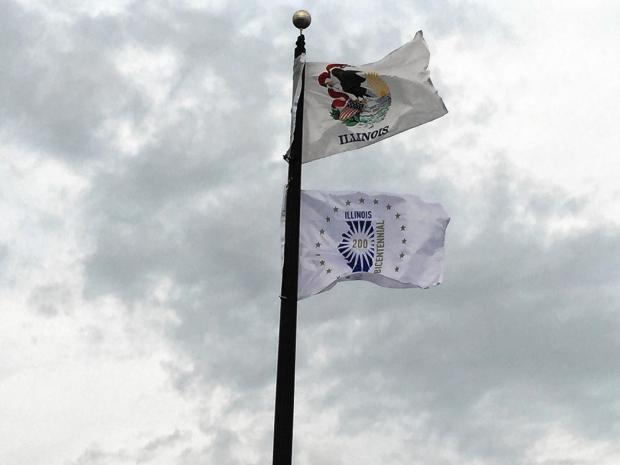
x=389, y=239
x=347, y=107
x=298, y=69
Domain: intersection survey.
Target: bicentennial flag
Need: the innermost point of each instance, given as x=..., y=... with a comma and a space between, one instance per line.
x=389, y=239
x=348, y=107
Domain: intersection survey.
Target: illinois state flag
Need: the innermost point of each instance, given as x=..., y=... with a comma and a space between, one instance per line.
x=347, y=107
x=389, y=239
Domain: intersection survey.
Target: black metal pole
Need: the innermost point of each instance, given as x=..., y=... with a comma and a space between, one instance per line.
x=285, y=378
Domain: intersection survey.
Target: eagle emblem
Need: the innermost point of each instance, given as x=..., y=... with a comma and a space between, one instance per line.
x=358, y=97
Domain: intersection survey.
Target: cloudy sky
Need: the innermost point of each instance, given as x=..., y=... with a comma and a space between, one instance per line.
x=140, y=189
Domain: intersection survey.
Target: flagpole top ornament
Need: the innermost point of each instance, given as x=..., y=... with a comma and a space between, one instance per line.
x=301, y=19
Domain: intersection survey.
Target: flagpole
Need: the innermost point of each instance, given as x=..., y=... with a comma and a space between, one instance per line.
x=285, y=377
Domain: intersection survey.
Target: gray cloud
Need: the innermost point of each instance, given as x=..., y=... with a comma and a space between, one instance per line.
x=4, y=253
x=95, y=456
x=520, y=336
x=60, y=85
x=151, y=448
x=147, y=452
x=50, y=300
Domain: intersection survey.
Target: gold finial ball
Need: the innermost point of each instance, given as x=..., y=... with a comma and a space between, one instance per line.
x=301, y=19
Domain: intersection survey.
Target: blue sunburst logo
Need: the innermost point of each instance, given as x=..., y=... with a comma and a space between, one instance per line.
x=358, y=245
